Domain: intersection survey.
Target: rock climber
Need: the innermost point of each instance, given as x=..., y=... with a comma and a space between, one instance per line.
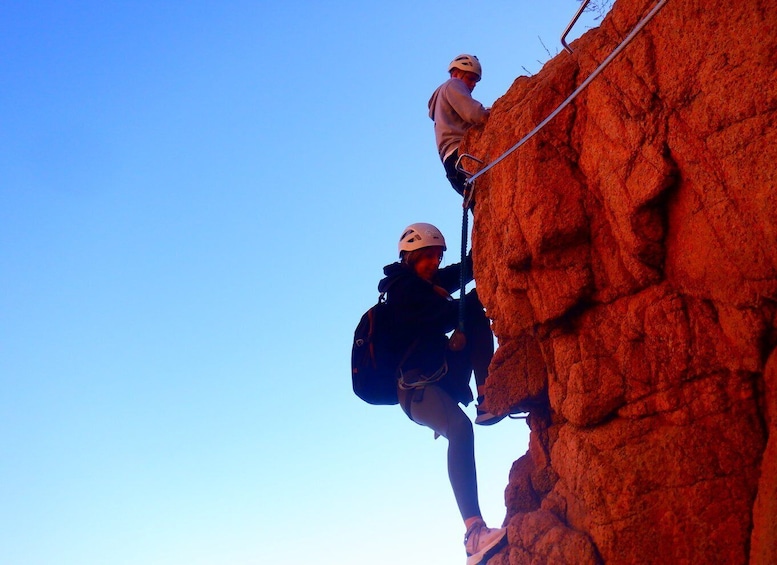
x=433, y=378
x=454, y=111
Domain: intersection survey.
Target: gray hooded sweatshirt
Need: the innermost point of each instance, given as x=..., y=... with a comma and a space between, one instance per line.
x=453, y=111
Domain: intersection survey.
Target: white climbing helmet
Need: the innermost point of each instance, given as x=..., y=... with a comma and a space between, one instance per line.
x=467, y=63
x=420, y=235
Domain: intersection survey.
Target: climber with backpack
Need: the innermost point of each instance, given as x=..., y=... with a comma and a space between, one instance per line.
x=433, y=377
x=454, y=111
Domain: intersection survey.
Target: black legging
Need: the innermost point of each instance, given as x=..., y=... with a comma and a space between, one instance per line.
x=434, y=408
x=455, y=176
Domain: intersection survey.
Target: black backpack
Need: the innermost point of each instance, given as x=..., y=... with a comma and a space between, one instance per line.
x=373, y=367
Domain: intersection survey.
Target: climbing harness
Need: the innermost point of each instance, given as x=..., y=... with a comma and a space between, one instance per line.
x=414, y=379
x=470, y=182
x=414, y=382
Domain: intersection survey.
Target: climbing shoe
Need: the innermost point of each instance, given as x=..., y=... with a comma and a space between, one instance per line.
x=481, y=542
x=484, y=417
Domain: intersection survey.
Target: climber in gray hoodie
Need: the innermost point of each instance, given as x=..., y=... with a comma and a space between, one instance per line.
x=454, y=111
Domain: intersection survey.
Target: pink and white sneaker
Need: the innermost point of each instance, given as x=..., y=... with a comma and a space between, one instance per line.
x=480, y=541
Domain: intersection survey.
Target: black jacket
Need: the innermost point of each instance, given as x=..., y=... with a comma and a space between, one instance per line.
x=422, y=315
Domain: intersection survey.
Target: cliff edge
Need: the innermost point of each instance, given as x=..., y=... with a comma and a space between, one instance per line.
x=627, y=255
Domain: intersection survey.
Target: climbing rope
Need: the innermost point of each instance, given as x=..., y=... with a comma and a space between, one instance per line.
x=463, y=270
x=642, y=23
x=458, y=339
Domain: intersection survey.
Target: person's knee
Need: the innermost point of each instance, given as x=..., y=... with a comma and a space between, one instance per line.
x=473, y=306
x=478, y=323
x=460, y=429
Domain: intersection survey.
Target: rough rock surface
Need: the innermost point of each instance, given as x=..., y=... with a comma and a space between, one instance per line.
x=627, y=255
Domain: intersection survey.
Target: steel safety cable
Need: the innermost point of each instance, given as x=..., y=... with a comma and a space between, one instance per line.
x=642, y=23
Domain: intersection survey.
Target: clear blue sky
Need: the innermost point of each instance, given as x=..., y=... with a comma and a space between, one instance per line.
x=196, y=202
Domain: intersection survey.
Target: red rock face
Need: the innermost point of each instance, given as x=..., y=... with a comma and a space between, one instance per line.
x=627, y=255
